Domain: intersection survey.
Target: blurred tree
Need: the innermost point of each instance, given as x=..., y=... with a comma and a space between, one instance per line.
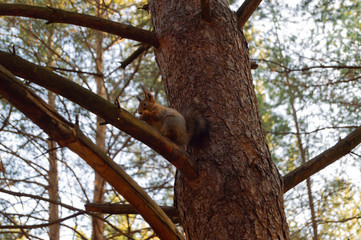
x=310, y=71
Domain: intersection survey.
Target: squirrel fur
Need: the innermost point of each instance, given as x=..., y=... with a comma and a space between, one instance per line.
x=185, y=128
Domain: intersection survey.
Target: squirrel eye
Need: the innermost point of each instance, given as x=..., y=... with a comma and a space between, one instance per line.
x=144, y=104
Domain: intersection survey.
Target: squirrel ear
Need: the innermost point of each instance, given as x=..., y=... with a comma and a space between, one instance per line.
x=147, y=94
x=139, y=99
x=144, y=88
x=149, y=97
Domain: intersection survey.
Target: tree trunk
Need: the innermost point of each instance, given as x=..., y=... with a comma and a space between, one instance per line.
x=54, y=229
x=239, y=193
x=99, y=182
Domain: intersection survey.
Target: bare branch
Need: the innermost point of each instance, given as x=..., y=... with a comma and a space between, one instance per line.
x=246, y=10
x=115, y=208
x=80, y=211
x=54, y=15
x=134, y=55
x=119, y=118
x=321, y=161
x=206, y=10
x=340, y=221
x=254, y=65
x=69, y=135
x=21, y=194
x=304, y=69
x=41, y=225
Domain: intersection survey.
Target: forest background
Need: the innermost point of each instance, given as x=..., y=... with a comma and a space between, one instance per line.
x=308, y=88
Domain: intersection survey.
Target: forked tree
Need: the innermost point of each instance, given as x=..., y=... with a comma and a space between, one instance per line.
x=228, y=187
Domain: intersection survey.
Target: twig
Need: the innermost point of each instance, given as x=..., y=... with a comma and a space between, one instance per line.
x=41, y=225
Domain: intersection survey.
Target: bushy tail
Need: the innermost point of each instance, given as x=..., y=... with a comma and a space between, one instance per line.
x=197, y=125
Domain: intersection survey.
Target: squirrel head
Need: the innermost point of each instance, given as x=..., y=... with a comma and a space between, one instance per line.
x=147, y=103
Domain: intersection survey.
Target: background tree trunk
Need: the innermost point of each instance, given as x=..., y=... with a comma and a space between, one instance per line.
x=239, y=194
x=54, y=229
x=99, y=182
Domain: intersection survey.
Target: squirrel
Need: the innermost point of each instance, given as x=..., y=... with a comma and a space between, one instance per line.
x=185, y=128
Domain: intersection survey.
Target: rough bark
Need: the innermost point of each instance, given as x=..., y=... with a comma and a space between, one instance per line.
x=239, y=192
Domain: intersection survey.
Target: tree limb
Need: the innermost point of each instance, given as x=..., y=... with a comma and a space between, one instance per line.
x=246, y=10
x=119, y=118
x=321, y=161
x=254, y=65
x=69, y=135
x=206, y=10
x=41, y=225
x=54, y=15
x=116, y=208
x=134, y=55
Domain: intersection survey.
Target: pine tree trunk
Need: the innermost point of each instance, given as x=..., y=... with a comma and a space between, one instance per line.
x=239, y=193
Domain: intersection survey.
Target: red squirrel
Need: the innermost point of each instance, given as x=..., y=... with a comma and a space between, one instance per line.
x=186, y=128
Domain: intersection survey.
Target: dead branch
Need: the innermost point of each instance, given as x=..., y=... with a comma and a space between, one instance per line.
x=54, y=15
x=246, y=10
x=254, y=65
x=69, y=135
x=116, y=208
x=134, y=55
x=40, y=225
x=321, y=161
x=80, y=211
x=206, y=10
x=119, y=118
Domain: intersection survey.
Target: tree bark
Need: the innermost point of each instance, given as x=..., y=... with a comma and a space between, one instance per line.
x=239, y=192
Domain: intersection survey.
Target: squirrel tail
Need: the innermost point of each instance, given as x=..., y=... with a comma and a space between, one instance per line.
x=197, y=125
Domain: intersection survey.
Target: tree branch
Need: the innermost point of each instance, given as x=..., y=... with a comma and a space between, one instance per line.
x=41, y=225
x=254, y=65
x=21, y=194
x=134, y=55
x=54, y=15
x=321, y=161
x=81, y=211
x=206, y=10
x=119, y=118
x=246, y=10
x=69, y=135
x=116, y=208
